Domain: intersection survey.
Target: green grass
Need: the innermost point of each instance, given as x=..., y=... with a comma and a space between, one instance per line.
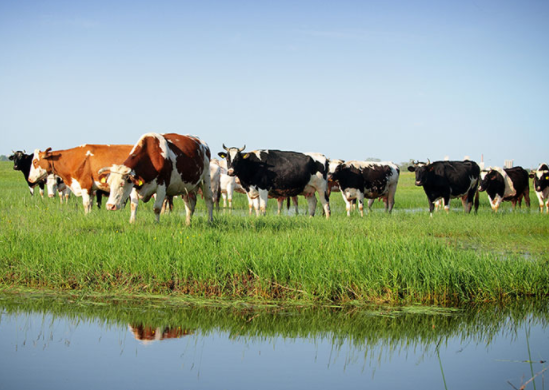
x=405, y=257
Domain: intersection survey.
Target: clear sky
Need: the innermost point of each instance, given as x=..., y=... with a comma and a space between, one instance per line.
x=389, y=79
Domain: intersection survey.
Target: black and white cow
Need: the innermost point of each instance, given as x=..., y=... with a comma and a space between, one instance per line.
x=23, y=162
x=56, y=184
x=448, y=180
x=541, y=186
x=365, y=179
x=506, y=185
x=279, y=174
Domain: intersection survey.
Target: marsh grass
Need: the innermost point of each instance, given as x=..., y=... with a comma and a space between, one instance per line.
x=404, y=257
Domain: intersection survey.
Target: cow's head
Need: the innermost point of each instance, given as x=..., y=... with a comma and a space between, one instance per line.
x=120, y=180
x=17, y=157
x=489, y=177
x=334, y=168
x=42, y=165
x=541, y=177
x=233, y=156
x=422, y=171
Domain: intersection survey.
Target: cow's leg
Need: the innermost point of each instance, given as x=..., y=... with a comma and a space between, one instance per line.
x=371, y=202
x=311, y=201
x=262, y=200
x=527, y=197
x=86, y=201
x=280, y=202
x=41, y=185
x=159, y=201
x=294, y=200
x=134, y=201
x=190, y=204
x=31, y=189
x=391, y=198
x=208, y=194
x=347, y=204
x=324, y=200
x=466, y=203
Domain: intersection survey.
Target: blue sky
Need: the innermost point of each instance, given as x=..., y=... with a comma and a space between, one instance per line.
x=394, y=80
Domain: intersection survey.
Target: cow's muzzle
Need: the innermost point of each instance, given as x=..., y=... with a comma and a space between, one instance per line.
x=230, y=172
x=418, y=183
x=111, y=207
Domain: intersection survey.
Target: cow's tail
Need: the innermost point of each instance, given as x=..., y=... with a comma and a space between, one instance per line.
x=476, y=201
x=288, y=203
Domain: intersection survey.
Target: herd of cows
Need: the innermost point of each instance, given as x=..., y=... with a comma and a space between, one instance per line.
x=167, y=165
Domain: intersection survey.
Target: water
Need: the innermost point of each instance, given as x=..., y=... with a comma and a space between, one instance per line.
x=58, y=344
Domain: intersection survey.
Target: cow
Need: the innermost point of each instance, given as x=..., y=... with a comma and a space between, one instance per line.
x=78, y=167
x=165, y=165
x=506, y=185
x=23, y=162
x=365, y=179
x=448, y=180
x=541, y=186
x=279, y=174
x=56, y=184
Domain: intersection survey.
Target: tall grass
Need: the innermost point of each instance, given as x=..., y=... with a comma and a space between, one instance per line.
x=399, y=258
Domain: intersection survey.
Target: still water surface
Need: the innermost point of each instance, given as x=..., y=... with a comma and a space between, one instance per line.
x=52, y=344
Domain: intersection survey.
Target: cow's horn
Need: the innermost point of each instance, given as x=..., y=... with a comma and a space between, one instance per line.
x=428, y=161
x=102, y=170
x=224, y=147
x=241, y=149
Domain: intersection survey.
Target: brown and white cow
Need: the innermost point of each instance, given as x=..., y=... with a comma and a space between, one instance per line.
x=78, y=167
x=165, y=165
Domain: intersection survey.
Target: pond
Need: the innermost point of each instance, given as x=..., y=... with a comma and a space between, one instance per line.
x=75, y=343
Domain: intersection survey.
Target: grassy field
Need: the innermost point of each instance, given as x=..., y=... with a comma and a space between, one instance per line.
x=405, y=257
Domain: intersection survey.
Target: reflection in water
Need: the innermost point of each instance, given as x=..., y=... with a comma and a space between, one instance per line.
x=148, y=333
x=89, y=345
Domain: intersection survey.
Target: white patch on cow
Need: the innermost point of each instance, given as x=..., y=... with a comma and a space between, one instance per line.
x=318, y=157
x=509, y=188
x=258, y=153
x=333, y=164
x=89, y=153
x=161, y=141
x=75, y=187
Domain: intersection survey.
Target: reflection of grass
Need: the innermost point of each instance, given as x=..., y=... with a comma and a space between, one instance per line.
x=400, y=258
x=371, y=325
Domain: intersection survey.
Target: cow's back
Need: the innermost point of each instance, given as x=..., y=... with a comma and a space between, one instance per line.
x=100, y=156
x=192, y=156
x=457, y=174
x=519, y=178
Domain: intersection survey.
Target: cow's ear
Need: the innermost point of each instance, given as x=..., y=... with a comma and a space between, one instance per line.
x=246, y=155
x=47, y=153
x=411, y=168
x=104, y=175
x=12, y=157
x=222, y=154
x=137, y=181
